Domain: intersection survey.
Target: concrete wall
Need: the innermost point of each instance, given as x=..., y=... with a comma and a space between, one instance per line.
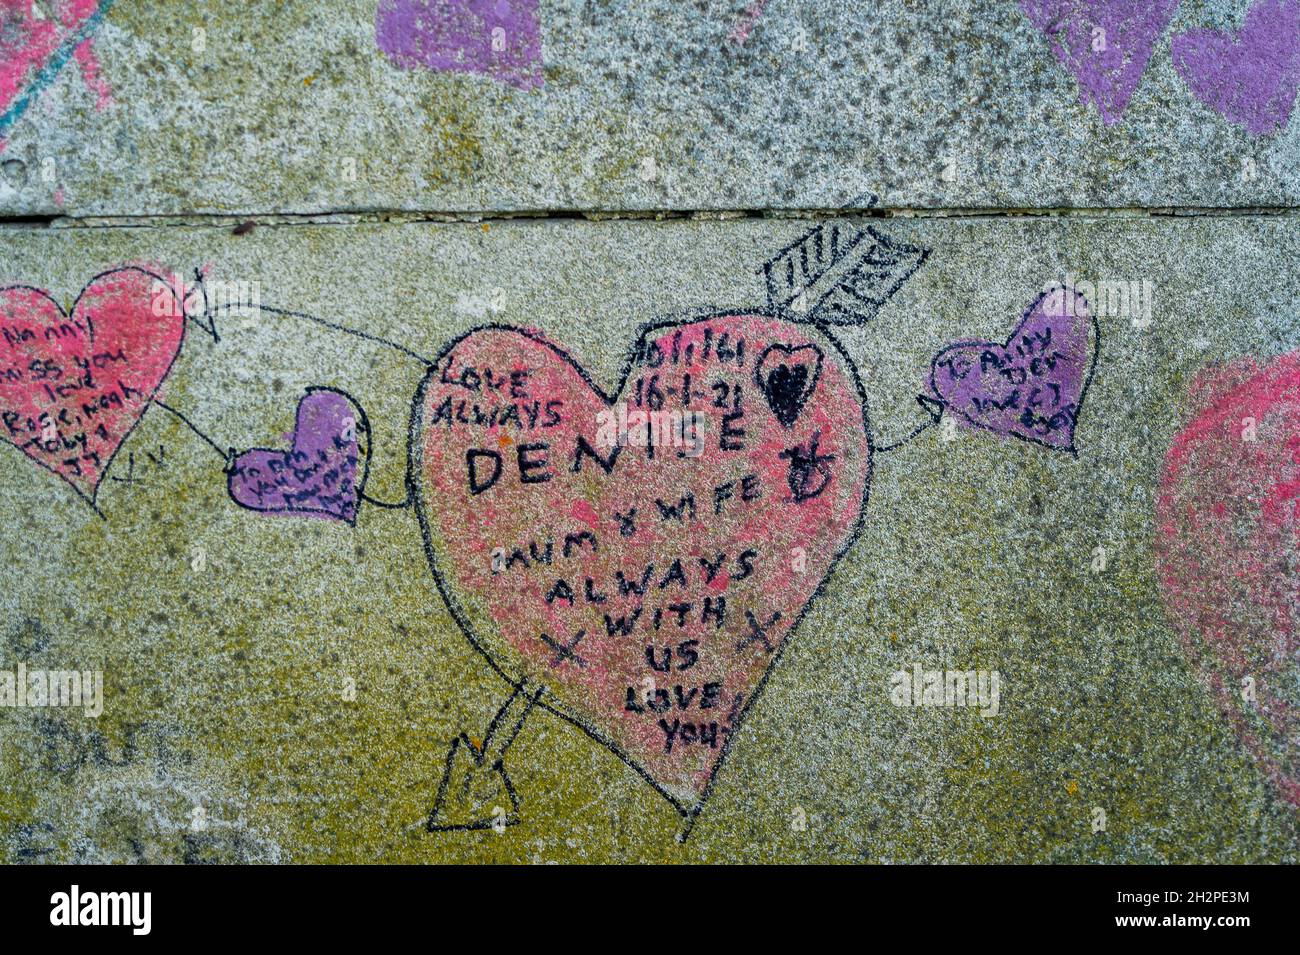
x=335, y=193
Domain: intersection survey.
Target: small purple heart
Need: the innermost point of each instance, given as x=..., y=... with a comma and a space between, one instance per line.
x=497, y=38
x=1249, y=77
x=1106, y=44
x=1032, y=386
x=317, y=475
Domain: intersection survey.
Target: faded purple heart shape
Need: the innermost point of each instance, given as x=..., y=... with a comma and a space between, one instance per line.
x=1032, y=386
x=317, y=475
x=1106, y=44
x=1249, y=77
x=497, y=38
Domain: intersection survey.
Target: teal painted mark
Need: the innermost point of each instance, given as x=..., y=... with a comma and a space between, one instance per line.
x=45, y=76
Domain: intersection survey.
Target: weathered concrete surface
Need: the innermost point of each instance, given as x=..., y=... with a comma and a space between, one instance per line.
x=293, y=107
x=224, y=686
x=285, y=689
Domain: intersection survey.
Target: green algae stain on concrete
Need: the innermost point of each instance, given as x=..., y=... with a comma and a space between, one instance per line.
x=455, y=153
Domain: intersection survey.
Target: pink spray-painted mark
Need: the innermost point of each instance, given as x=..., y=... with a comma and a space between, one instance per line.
x=1031, y=387
x=1250, y=77
x=647, y=584
x=319, y=475
x=497, y=38
x=1106, y=44
x=1227, y=530
x=34, y=48
x=93, y=75
x=745, y=25
x=74, y=384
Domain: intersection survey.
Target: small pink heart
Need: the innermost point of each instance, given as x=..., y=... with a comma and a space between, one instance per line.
x=74, y=385
x=1250, y=77
x=647, y=580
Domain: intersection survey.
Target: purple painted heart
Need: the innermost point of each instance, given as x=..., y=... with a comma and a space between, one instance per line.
x=1106, y=44
x=321, y=474
x=1250, y=77
x=1032, y=386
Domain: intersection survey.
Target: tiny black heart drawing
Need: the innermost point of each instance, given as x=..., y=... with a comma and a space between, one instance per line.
x=787, y=379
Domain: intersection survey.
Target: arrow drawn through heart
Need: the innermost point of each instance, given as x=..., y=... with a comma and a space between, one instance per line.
x=643, y=587
x=647, y=590
x=634, y=561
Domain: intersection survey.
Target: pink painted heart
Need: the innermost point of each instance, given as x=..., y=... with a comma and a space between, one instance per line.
x=323, y=471
x=1227, y=528
x=74, y=385
x=1032, y=386
x=643, y=557
x=1106, y=44
x=35, y=46
x=1251, y=77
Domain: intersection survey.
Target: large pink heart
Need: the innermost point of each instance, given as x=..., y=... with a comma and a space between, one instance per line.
x=74, y=385
x=1228, y=525
x=647, y=581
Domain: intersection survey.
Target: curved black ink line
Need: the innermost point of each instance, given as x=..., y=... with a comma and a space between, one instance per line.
x=933, y=408
x=362, y=495
x=335, y=326
x=362, y=427
x=1070, y=449
x=414, y=477
x=90, y=341
x=225, y=455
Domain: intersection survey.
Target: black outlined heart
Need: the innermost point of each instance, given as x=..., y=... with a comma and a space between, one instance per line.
x=788, y=379
x=507, y=543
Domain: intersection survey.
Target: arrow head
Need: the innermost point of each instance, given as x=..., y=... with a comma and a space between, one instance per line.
x=933, y=407
x=473, y=794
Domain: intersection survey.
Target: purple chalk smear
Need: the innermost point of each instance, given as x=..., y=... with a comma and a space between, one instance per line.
x=497, y=38
x=1106, y=44
x=1031, y=387
x=317, y=476
x=1249, y=77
